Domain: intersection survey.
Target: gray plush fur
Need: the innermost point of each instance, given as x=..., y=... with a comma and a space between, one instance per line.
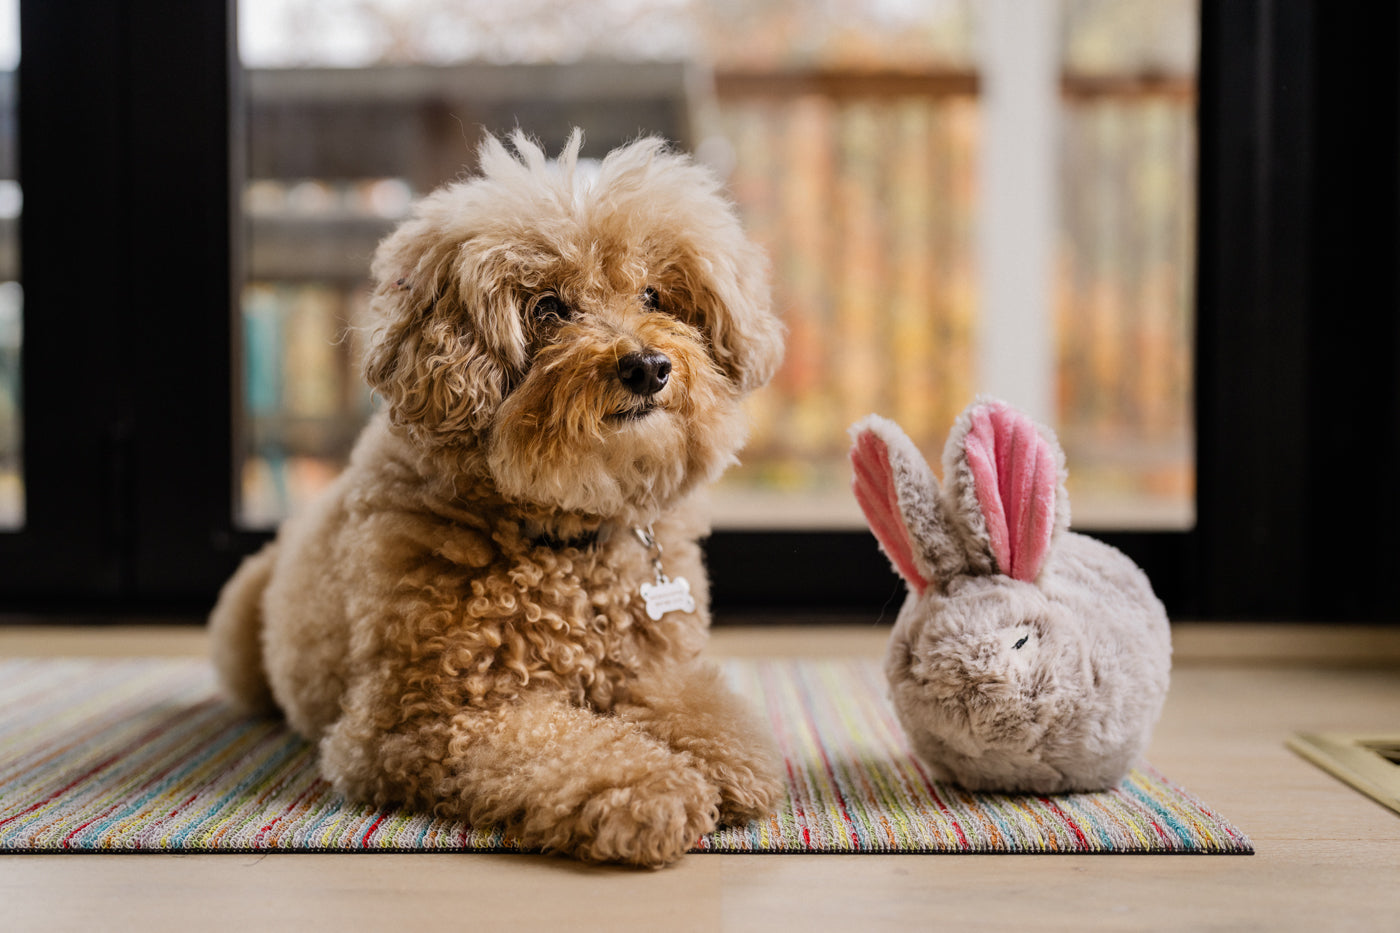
x=1073, y=707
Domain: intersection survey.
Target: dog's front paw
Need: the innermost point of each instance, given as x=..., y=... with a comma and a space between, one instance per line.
x=750, y=785
x=650, y=823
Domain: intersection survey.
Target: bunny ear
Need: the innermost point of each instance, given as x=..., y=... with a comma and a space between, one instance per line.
x=877, y=488
x=1016, y=473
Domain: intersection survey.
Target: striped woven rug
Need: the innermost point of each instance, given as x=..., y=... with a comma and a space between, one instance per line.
x=140, y=755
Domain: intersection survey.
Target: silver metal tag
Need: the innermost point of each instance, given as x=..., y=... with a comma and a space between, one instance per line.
x=667, y=594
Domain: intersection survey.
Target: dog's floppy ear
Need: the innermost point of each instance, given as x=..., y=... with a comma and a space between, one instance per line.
x=735, y=304
x=430, y=351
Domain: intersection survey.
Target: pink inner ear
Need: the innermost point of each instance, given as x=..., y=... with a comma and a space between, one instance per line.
x=879, y=500
x=1015, y=477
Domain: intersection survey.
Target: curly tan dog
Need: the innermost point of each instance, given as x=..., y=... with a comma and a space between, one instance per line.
x=466, y=620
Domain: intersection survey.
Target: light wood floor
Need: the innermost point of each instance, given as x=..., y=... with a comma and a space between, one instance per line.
x=1327, y=857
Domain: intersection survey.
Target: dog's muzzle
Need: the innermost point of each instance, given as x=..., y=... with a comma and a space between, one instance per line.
x=644, y=372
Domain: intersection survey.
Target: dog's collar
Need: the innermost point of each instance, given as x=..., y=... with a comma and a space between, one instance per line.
x=584, y=542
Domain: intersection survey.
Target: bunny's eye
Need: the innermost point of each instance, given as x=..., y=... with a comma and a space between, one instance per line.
x=1022, y=643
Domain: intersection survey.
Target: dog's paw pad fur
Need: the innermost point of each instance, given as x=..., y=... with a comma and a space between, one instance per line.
x=747, y=794
x=649, y=824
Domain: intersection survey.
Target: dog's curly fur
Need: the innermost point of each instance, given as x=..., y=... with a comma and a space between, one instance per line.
x=457, y=621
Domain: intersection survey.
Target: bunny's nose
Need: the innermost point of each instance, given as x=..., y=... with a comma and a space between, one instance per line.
x=644, y=372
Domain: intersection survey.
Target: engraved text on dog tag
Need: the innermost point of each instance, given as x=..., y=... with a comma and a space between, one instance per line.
x=667, y=595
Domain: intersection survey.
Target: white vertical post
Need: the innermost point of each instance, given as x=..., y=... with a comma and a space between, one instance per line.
x=1020, y=68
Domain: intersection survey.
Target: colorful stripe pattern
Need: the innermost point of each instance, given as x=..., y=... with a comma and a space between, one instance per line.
x=140, y=755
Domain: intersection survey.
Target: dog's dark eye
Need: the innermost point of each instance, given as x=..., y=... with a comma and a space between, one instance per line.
x=651, y=299
x=1022, y=643
x=549, y=306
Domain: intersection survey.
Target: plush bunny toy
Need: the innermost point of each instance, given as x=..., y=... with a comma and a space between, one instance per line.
x=1026, y=658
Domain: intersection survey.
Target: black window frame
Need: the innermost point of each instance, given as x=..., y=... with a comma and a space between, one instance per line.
x=129, y=136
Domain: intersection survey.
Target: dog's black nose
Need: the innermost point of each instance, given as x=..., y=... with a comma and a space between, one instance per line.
x=644, y=372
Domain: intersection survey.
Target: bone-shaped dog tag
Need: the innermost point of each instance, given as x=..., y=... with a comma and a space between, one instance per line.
x=667, y=594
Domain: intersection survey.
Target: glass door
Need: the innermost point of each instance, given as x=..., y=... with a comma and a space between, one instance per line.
x=864, y=146
x=960, y=196
x=123, y=464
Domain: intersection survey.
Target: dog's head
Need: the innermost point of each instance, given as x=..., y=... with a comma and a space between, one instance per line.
x=591, y=333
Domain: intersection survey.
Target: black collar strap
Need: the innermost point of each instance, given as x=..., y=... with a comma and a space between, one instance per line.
x=584, y=542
